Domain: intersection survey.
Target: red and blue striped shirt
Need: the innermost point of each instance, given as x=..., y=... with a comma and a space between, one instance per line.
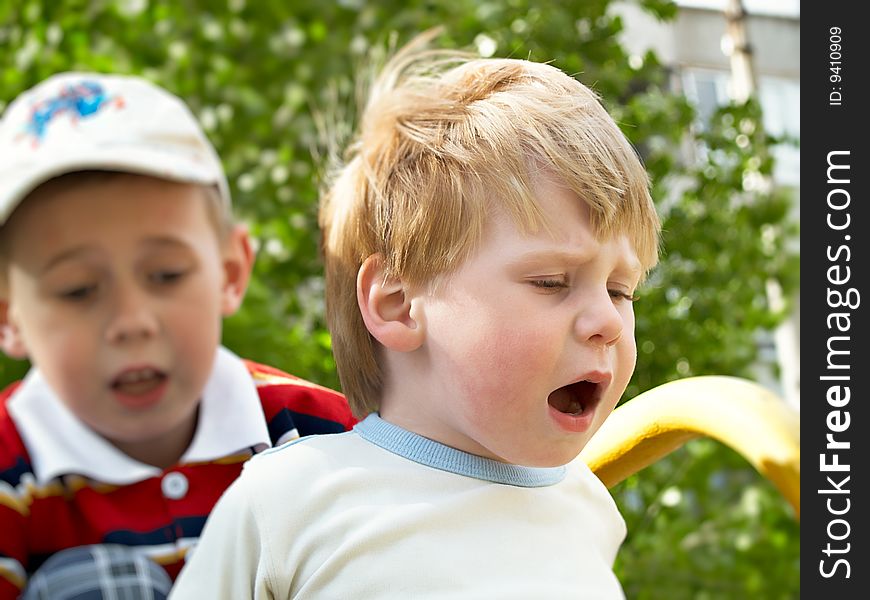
x=162, y=513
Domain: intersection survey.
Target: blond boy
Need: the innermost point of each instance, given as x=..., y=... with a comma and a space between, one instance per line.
x=118, y=260
x=483, y=245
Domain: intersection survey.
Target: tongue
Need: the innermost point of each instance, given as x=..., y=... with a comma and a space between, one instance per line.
x=566, y=402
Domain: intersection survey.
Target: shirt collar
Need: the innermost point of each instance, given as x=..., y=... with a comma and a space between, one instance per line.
x=230, y=420
x=434, y=454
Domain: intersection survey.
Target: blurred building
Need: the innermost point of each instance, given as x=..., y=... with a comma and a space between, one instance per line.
x=707, y=48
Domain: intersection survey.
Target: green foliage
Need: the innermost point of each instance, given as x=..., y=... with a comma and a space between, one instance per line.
x=703, y=526
x=267, y=77
x=724, y=238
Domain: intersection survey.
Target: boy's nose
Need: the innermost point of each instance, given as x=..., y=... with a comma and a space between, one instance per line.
x=132, y=319
x=598, y=320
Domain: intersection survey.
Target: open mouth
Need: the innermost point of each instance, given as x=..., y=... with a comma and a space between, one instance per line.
x=135, y=382
x=576, y=398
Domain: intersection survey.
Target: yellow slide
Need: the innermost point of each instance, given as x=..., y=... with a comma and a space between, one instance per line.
x=737, y=412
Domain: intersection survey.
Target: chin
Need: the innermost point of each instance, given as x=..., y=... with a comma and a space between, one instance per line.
x=554, y=458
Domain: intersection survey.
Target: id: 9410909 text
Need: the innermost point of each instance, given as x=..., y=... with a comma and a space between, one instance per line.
x=835, y=62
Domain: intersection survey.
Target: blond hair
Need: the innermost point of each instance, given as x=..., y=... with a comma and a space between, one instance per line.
x=443, y=137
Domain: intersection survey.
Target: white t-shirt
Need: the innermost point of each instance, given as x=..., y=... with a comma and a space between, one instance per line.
x=381, y=512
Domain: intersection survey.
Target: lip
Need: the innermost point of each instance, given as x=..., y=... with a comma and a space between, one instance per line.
x=581, y=423
x=603, y=378
x=141, y=394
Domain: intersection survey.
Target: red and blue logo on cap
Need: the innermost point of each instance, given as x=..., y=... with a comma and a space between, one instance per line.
x=81, y=100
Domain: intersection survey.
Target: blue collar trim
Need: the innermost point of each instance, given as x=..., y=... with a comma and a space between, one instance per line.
x=434, y=454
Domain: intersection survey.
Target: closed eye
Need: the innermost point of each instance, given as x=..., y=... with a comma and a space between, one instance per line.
x=78, y=294
x=166, y=277
x=620, y=295
x=549, y=284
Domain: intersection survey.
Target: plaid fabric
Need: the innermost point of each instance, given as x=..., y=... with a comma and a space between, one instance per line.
x=98, y=572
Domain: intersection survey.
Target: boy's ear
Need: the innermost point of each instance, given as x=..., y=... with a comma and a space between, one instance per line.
x=11, y=341
x=386, y=307
x=238, y=261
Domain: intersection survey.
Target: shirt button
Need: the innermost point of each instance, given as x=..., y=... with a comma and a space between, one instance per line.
x=174, y=485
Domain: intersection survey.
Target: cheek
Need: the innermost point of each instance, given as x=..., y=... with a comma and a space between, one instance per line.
x=501, y=355
x=196, y=313
x=195, y=335
x=58, y=342
x=69, y=364
x=626, y=355
x=626, y=348
x=192, y=330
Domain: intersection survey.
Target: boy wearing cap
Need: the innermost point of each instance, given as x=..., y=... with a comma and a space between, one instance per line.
x=118, y=260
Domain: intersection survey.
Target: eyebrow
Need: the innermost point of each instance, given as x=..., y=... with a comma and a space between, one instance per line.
x=66, y=255
x=630, y=266
x=165, y=240
x=85, y=249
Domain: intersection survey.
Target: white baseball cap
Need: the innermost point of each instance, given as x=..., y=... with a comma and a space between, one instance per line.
x=83, y=121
